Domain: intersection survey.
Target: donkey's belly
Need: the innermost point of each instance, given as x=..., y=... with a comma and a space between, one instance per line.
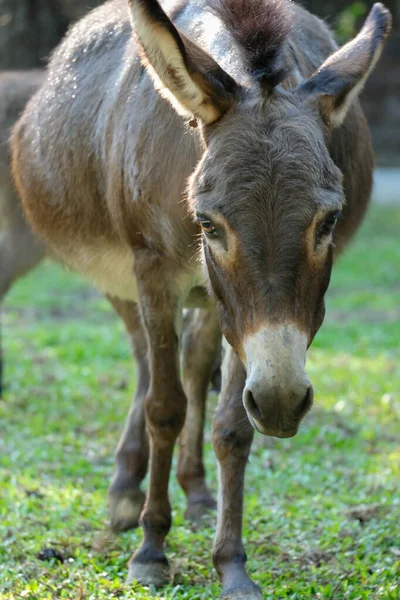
x=109, y=267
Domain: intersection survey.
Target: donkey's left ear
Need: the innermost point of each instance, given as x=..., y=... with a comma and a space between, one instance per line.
x=181, y=71
x=342, y=76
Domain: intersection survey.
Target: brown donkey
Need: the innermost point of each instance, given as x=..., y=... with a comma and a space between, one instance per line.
x=248, y=204
x=20, y=250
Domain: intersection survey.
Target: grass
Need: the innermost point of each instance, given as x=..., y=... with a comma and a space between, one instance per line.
x=322, y=516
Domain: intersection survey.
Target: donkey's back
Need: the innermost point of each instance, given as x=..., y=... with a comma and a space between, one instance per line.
x=107, y=157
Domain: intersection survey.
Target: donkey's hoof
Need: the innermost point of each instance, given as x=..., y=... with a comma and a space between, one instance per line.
x=245, y=592
x=195, y=511
x=157, y=574
x=125, y=508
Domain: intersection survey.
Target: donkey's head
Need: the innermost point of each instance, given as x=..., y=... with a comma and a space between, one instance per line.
x=266, y=193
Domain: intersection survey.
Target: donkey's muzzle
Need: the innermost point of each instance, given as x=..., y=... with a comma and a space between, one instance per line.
x=278, y=392
x=277, y=413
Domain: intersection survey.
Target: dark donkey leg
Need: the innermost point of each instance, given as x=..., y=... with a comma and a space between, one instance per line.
x=201, y=348
x=125, y=497
x=165, y=407
x=232, y=438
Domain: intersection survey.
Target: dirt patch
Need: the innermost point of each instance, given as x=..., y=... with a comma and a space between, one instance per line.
x=366, y=512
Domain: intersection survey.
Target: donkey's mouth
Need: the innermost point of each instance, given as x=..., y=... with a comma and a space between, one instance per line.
x=271, y=431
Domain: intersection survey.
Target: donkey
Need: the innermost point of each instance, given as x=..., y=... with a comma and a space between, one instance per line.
x=21, y=251
x=224, y=151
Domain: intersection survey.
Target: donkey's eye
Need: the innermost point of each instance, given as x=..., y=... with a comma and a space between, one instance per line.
x=328, y=225
x=207, y=226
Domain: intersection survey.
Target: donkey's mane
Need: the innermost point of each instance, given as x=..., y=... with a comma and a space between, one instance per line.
x=259, y=27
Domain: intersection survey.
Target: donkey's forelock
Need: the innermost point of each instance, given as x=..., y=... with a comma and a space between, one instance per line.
x=270, y=156
x=260, y=28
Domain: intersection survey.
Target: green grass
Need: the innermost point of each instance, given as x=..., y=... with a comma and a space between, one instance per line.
x=322, y=511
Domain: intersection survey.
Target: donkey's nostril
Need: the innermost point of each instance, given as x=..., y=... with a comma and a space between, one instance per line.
x=307, y=401
x=251, y=404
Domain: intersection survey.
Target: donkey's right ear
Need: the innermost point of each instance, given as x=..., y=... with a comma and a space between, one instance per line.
x=342, y=76
x=182, y=71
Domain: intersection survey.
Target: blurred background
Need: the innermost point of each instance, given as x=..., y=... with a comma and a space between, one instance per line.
x=29, y=30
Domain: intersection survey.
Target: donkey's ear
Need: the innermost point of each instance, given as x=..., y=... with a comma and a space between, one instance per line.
x=182, y=71
x=342, y=76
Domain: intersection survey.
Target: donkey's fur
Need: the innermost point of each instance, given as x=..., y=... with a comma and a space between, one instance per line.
x=20, y=251
x=102, y=163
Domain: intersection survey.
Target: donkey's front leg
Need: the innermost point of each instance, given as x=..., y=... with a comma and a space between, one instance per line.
x=232, y=438
x=165, y=408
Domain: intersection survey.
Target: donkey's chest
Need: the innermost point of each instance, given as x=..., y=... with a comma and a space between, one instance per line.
x=111, y=268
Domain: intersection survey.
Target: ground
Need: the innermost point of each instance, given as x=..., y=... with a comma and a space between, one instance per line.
x=322, y=511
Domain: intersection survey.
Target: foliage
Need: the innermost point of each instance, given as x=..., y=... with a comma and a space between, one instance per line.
x=348, y=19
x=322, y=509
